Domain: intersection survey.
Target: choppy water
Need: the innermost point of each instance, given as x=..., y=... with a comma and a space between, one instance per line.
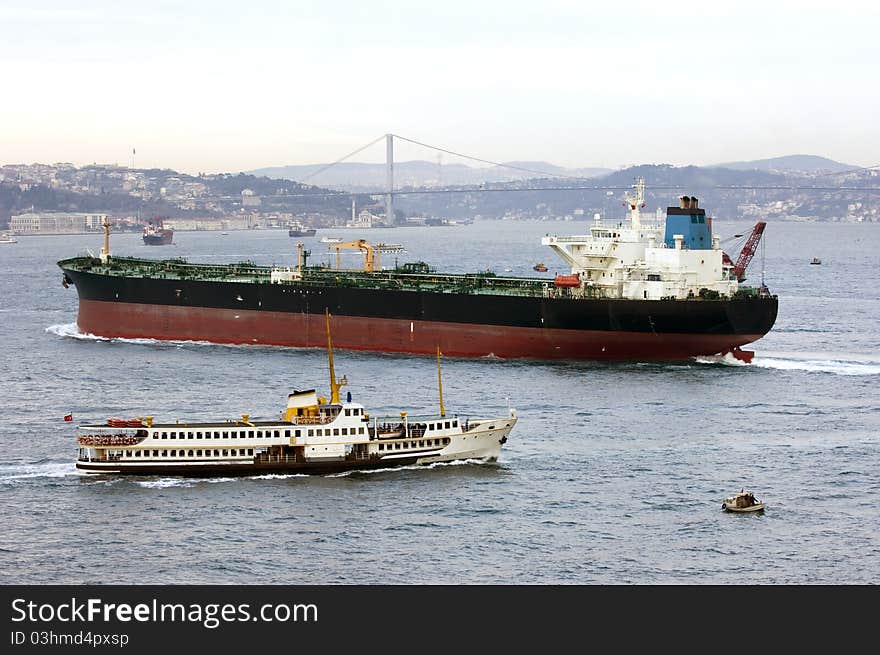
x=614, y=474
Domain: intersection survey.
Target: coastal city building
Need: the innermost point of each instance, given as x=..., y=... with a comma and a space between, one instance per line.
x=56, y=223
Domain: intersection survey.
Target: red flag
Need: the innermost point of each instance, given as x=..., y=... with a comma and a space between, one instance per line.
x=68, y=417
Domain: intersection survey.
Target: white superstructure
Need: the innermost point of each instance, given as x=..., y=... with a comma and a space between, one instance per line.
x=636, y=260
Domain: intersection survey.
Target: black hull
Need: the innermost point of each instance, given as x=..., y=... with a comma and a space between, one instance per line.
x=244, y=470
x=158, y=239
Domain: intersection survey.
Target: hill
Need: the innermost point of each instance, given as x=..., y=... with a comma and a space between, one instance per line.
x=793, y=163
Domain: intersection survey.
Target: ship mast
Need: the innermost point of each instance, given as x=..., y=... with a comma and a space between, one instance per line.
x=635, y=202
x=105, y=250
x=334, y=385
x=440, y=383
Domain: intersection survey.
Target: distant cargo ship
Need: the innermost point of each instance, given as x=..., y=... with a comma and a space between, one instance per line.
x=300, y=230
x=635, y=291
x=157, y=235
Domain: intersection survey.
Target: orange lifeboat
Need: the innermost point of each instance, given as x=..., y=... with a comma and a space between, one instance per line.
x=567, y=280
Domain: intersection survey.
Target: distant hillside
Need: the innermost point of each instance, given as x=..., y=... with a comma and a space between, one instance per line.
x=797, y=163
x=417, y=173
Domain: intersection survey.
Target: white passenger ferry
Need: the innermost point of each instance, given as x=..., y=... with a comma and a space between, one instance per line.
x=312, y=435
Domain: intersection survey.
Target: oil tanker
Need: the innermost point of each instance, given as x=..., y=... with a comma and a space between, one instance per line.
x=636, y=291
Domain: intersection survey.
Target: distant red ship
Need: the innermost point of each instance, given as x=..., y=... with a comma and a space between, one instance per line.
x=157, y=235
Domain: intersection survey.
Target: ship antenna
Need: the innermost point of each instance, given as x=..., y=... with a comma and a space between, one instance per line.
x=440, y=383
x=334, y=385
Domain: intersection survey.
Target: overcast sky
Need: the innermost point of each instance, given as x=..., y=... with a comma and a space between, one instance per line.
x=229, y=86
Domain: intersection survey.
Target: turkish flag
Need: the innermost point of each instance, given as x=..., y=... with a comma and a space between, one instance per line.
x=68, y=417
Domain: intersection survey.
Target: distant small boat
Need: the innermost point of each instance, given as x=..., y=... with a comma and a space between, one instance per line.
x=330, y=240
x=7, y=238
x=815, y=260
x=540, y=267
x=744, y=501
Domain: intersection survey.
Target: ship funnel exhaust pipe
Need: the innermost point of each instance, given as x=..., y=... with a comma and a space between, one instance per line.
x=684, y=202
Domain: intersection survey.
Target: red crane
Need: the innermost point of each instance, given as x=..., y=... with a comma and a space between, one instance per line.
x=748, y=251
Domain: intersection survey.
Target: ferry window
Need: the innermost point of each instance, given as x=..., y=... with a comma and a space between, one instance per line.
x=335, y=432
x=445, y=441
x=189, y=453
x=164, y=453
x=216, y=435
x=347, y=411
x=174, y=435
x=198, y=453
x=345, y=431
x=164, y=435
x=233, y=435
x=311, y=433
x=296, y=433
x=455, y=423
x=287, y=434
x=174, y=453
x=198, y=435
x=225, y=435
x=447, y=424
x=155, y=453
x=225, y=453
x=137, y=453
x=360, y=430
x=397, y=446
x=277, y=434
x=259, y=434
x=430, y=426
x=421, y=444
x=381, y=446
x=250, y=451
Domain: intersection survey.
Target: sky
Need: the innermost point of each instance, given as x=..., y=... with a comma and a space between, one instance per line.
x=233, y=86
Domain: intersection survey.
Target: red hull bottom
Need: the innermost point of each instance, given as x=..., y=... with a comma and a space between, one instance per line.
x=135, y=321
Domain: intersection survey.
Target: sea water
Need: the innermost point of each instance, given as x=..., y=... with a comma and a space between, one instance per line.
x=615, y=472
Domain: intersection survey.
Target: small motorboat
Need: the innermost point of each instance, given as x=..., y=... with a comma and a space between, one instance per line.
x=744, y=501
x=815, y=260
x=540, y=267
